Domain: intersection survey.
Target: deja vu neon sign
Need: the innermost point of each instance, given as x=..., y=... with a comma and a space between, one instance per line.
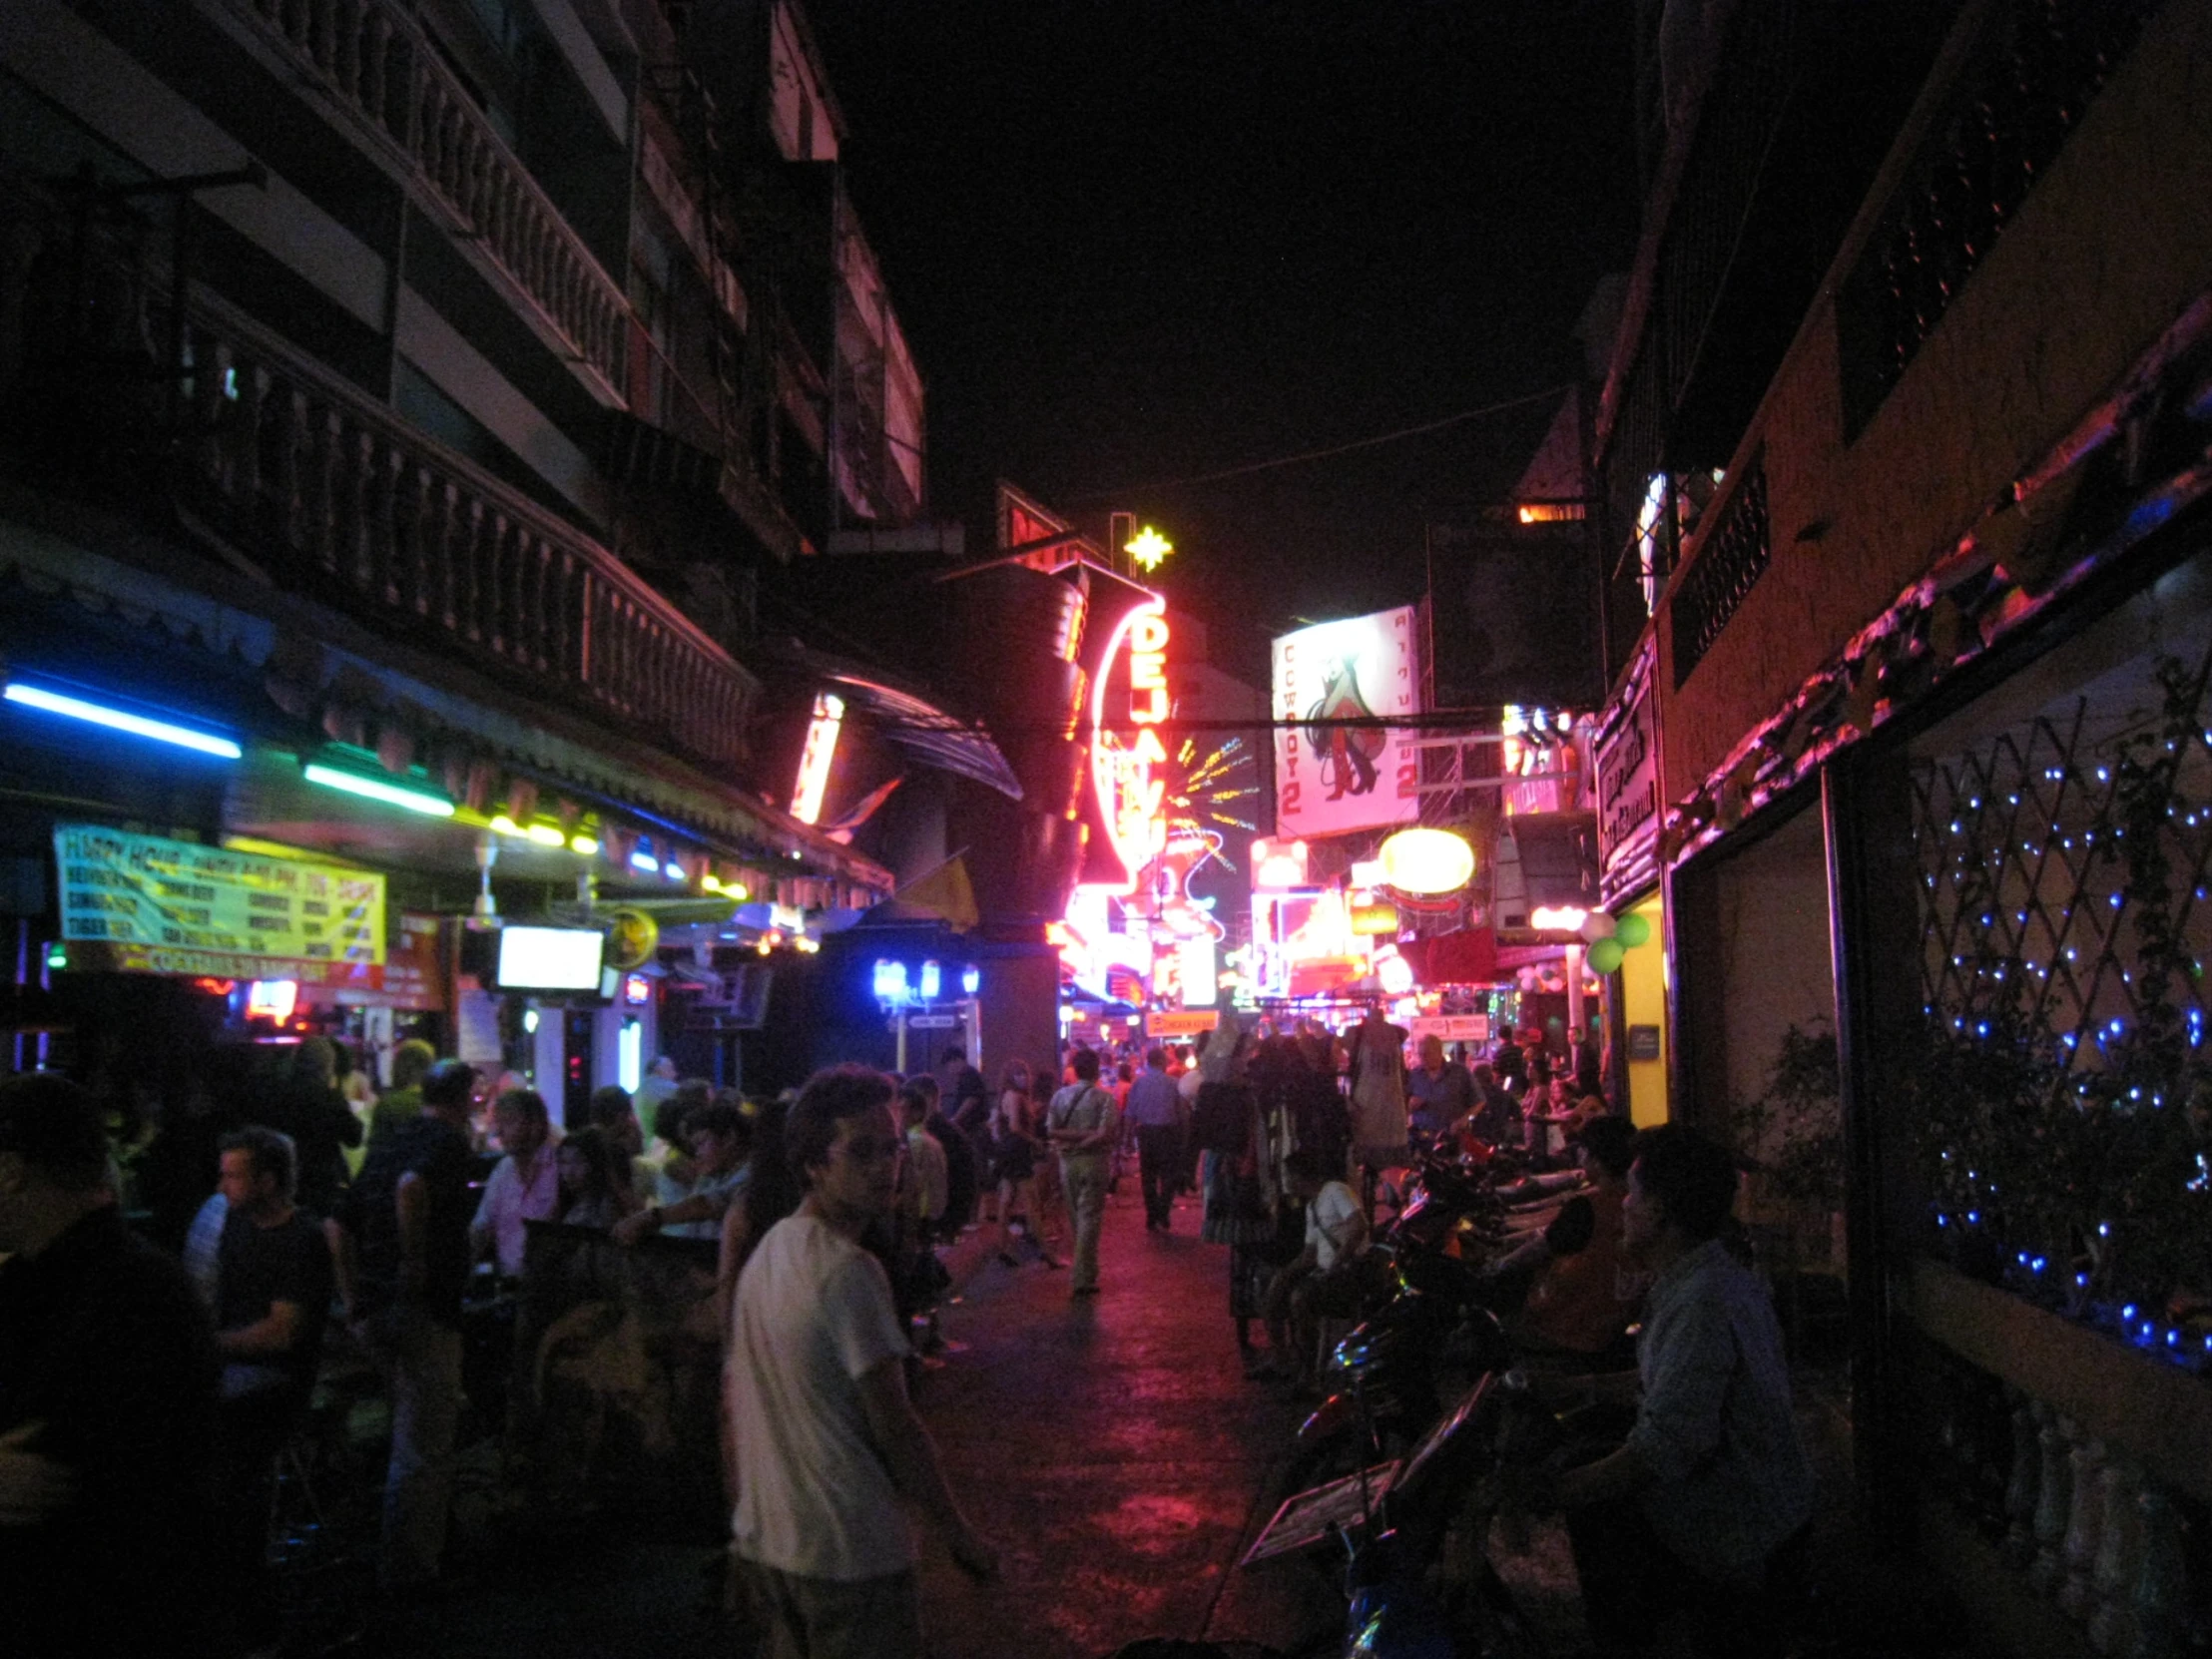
x=1128, y=759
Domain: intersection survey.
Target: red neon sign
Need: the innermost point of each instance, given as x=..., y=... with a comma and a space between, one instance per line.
x=1128, y=759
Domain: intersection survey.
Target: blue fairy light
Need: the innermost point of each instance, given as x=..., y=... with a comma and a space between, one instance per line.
x=2104, y=1229
x=1973, y=1218
x=2128, y=1312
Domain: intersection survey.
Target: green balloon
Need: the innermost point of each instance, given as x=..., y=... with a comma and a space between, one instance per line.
x=1605, y=957
x=1632, y=930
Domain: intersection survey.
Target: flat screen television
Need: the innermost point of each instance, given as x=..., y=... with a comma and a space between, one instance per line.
x=550, y=958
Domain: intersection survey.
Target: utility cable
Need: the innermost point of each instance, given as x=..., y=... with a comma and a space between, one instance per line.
x=1323, y=454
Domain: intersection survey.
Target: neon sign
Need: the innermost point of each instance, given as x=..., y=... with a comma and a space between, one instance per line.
x=815, y=759
x=1148, y=548
x=1128, y=759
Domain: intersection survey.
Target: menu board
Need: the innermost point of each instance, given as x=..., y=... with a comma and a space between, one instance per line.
x=147, y=905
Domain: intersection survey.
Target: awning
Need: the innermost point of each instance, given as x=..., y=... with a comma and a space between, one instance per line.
x=1465, y=956
x=911, y=718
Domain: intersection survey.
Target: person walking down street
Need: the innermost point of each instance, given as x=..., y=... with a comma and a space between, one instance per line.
x=966, y=1099
x=823, y=1438
x=1155, y=1109
x=1049, y=1220
x=1016, y=1131
x=107, y=1403
x=962, y=1170
x=1085, y=1127
x=402, y=1267
x=1708, y=1507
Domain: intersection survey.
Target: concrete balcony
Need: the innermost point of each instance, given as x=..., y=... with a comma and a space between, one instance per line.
x=376, y=71
x=334, y=496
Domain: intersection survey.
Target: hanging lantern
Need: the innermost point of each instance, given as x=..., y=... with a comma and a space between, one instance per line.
x=1428, y=862
x=1632, y=930
x=1605, y=957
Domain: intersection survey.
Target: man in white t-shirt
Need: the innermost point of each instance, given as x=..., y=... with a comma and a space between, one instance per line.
x=1324, y=1280
x=825, y=1440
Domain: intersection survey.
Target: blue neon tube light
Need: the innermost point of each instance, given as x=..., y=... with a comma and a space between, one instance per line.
x=117, y=720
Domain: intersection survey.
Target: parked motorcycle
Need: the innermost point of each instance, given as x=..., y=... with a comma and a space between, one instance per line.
x=1438, y=1325
x=1417, y=1582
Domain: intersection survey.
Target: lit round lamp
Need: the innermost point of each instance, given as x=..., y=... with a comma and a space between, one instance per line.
x=1632, y=930
x=1605, y=957
x=1395, y=974
x=1426, y=862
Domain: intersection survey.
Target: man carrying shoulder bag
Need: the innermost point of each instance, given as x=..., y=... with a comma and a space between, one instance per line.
x=1083, y=1124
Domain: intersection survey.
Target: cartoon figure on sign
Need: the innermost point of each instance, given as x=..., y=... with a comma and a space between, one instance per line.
x=1347, y=754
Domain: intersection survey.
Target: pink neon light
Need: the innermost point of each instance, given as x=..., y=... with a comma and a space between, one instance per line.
x=1102, y=765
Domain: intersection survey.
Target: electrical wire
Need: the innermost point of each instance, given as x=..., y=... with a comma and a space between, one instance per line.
x=1322, y=454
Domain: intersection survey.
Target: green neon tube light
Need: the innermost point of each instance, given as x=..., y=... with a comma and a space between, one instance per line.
x=373, y=788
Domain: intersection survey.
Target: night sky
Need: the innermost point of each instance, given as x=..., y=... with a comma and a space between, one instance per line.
x=1136, y=240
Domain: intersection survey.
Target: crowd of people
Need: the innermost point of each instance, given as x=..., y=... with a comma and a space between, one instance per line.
x=146, y=1392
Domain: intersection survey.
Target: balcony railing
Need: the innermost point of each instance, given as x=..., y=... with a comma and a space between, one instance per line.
x=2039, y=64
x=1729, y=563
x=105, y=396
x=340, y=498
x=376, y=63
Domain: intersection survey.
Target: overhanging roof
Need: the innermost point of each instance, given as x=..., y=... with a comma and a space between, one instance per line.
x=910, y=717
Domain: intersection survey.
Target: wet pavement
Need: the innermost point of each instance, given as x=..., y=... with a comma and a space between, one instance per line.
x=1113, y=1448
x=1110, y=1445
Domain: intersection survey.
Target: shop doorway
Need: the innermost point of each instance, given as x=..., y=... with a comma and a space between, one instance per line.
x=1759, y=1010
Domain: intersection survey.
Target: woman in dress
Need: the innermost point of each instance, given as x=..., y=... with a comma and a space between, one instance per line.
x=1014, y=1140
x=1380, y=1127
x=1049, y=1214
x=1236, y=1177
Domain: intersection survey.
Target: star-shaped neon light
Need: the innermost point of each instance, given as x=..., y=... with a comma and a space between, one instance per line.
x=1149, y=548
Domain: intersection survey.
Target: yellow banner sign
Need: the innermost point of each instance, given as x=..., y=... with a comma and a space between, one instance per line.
x=153, y=905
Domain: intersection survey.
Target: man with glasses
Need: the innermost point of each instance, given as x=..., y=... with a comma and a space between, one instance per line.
x=826, y=1441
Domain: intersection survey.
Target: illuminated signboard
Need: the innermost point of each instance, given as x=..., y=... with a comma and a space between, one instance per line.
x=1330, y=776
x=815, y=759
x=1128, y=759
x=145, y=905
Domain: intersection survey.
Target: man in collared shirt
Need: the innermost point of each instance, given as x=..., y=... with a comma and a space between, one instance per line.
x=1707, y=1505
x=1156, y=1110
x=524, y=1186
